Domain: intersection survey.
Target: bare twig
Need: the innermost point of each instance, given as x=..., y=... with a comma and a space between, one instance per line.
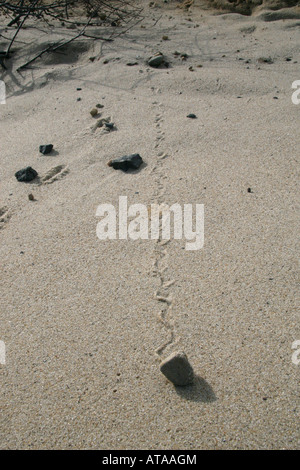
x=100, y=13
x=19, y=27
x=53, y=48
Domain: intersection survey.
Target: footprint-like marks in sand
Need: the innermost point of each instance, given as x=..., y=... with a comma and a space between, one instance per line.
x=5, y=215
x=163, y=295
x=54, y=174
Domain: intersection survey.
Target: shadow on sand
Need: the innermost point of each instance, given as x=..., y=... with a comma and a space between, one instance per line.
x=199, y=391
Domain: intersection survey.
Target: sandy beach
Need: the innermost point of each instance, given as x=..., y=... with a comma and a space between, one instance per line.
x=86, y=322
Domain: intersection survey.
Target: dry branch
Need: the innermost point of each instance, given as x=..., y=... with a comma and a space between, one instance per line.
x=100, y=13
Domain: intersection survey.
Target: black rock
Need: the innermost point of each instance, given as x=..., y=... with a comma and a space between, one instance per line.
x=26, y=174
x=44, y=149
x=109, y=125
x=156, y=60
x=192, y=116
x=127, y=162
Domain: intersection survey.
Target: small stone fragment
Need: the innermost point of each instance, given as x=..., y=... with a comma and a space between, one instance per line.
x=265, y=60
x=99, y=106
x=192, y=116
x=26, y=174
x=100, y=123
x=165, y=37
x=156, y=60
x=31, y=197
x=177, y=369
x=109, y=125
x=94, y=112
x=45, y=149
x=127, y=162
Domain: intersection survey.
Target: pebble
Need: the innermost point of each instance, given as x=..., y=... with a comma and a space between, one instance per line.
x=26, y=174
x=127, y=162
x=94, y=112
x=177, y=369
x=45, y=149
x=192, y=116
x=156, y=60
x=31, y=197
x=101, y=122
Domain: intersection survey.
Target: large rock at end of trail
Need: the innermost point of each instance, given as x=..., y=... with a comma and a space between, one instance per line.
x=177, y=369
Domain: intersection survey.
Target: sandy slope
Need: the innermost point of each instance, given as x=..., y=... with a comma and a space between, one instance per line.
x=80, y=317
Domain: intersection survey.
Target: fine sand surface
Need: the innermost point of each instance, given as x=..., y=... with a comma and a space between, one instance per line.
x=84, y=321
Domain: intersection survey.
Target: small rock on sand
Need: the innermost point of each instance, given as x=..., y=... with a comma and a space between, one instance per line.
x=26, y=174
x=94, y=112
x=45, y=149
x=109, y=125
x=127, y=162
x=156, y=60
x=177, y=369
x=192, y=116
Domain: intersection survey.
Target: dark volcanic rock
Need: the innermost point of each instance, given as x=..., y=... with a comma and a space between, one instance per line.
x=44, y=149
x=26, y=174
x=192, y=116
x=156, y=60
x=127, y=162
x=109, y=125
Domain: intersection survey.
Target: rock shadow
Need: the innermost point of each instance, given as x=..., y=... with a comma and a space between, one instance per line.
x=198, y=391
